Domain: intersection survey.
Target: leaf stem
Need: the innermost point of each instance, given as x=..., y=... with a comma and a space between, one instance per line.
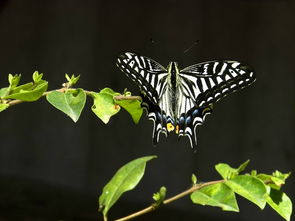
x=169, y=200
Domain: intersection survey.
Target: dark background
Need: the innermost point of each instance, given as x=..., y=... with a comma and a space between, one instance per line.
x=54, y=169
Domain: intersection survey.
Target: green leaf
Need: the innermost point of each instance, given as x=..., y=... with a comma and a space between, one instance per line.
x=3, y=107
x=109, y=91
x=159, y=197
x=281, y=177
x=269, y=180
x=71, y=102
x=28, y=92
x=104, y=105
x=68, y=77
x=280, y=202
x=219, y=195
x=125, y=179
x=253, y=173
x=37, y=77
x=72, y=80
x=227, y=172
x=133, y=107
x=13, y=80
x=23, y=87
x=276, y=180
x=243, y=166
x=194, y=179
x=4, y=91
x=249, y=187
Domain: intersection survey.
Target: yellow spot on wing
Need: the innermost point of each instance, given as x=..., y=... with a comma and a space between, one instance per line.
x=170, y=127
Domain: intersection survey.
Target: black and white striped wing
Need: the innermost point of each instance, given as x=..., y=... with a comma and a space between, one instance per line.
x=204, y=84
x=208, y=82
x=151, y=77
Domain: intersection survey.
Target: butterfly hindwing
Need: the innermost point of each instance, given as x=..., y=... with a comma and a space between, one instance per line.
x=150, y=76
x=157, y=116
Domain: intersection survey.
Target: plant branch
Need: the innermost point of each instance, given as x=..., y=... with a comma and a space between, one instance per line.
x=122, y=97
x=14, y=102
x=169, y=200
x=119, y=97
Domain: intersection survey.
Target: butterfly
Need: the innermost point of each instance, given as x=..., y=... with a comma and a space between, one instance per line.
x=179, y=100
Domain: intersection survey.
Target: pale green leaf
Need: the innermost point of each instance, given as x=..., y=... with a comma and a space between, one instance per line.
x=249, y=187
x=3, y=107
x=13, y=80
x=104, y=105
x=23, y=87
x=281, y=177
x=68, y=77
x=4, y=91
x=280, y=202
x=243, y=166
x=70, y=102
x=159, y=197
x=276, y=180
x=253, y=173
x=72, y=80
x=28, y=92
x=133, y=107
x=109, y=91
x=219, y=195
x=37, y=77
x=227, y=172
x=194, y=179
x=125, y=179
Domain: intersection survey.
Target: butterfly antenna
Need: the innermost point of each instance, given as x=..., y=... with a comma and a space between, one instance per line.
x=190, y=47
x=152, y=41
x=149, y=44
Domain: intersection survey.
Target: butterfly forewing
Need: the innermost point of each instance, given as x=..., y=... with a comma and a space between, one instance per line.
x=149, y=75
x=209, y=82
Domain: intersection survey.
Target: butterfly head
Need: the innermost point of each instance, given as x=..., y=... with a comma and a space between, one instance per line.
x=172, y=67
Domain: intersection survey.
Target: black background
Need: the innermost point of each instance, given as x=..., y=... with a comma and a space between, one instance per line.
x=54, y=169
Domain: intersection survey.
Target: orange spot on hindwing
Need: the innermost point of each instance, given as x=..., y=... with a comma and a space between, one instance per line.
x=177, y=129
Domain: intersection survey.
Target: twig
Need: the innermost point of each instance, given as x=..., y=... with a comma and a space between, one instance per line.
x=14, y=102
x=119, y=97
x=122, y=97
x=178, y=196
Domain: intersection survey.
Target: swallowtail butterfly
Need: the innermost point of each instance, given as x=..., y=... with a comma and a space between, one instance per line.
x=178, y=100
